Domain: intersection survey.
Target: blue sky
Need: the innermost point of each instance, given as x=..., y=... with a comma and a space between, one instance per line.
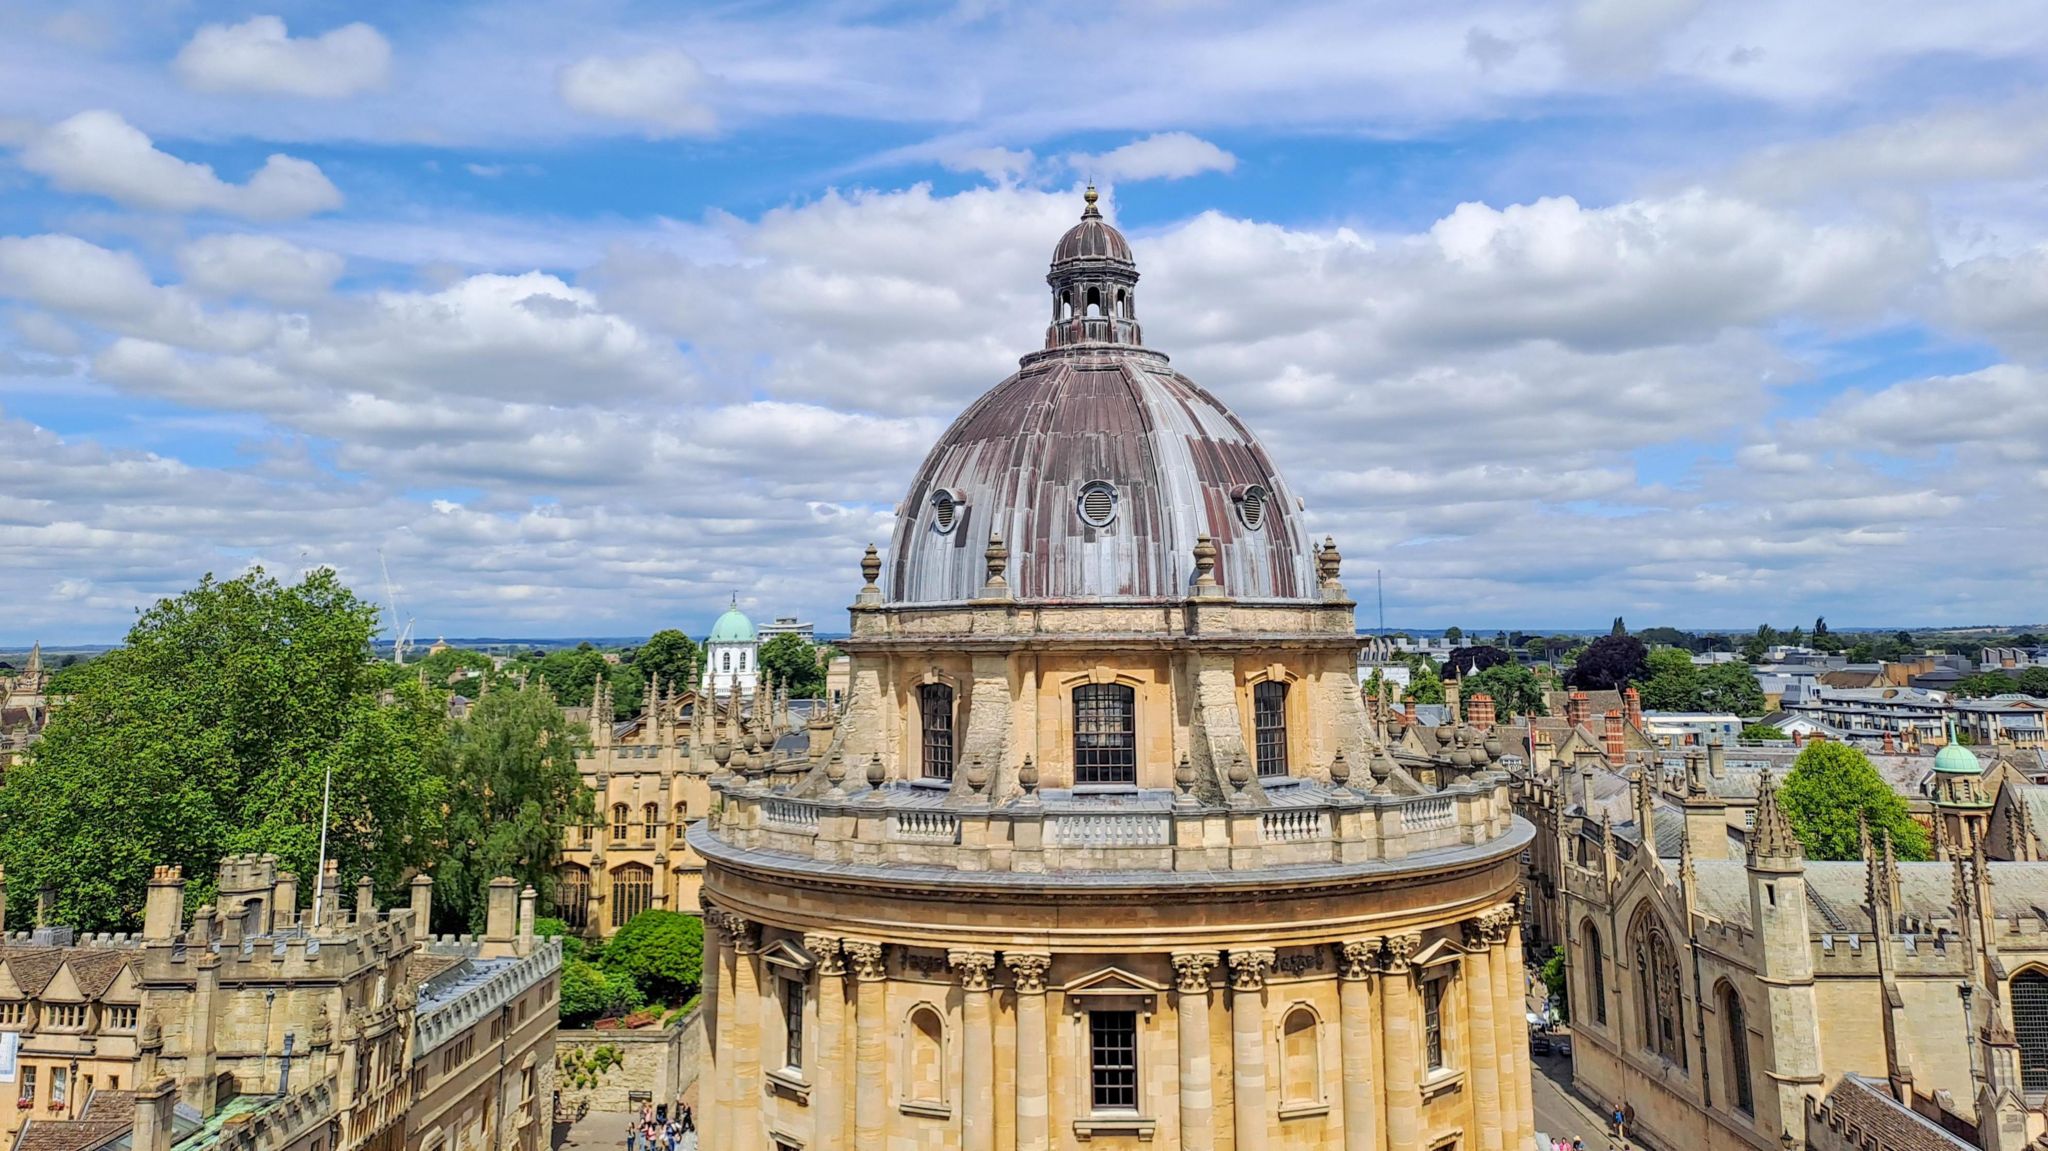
x=586, y=314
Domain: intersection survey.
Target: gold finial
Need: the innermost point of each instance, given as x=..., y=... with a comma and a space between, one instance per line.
x=1090, y=212
x=1090, y=195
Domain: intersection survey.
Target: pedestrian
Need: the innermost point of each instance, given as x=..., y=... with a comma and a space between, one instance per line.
x=632, y=1133
x=689, y=1120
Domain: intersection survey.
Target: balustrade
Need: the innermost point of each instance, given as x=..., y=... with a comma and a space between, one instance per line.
x=1109, y=829
x=926, y=826
x=1294, y=825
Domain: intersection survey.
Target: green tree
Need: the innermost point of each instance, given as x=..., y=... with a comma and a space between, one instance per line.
x=1830, y=786
x=1820, y=627
x=1554, y=983
x=1763, y=731
x=590, y=993
x=1515, y=690
x=2034, y=682
x=662, y=952
x=1986, y=684
x=1731, y=688
x=794, y=661
x=1454, y=634
x=458, y=662
x=512, y=790
x=1611, y=661
x=209, y=733
x=1620, y=627
x=670, y=654
x=1671, y=682
x=1424, y=685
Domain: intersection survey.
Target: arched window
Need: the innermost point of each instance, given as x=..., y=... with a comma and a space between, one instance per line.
x=1269, y=726
x=1105, y=734
x=935, y=708
x=1738, y=1050
x=924, y=1056
x=1094, y=302
x=725, y=661
x=1301, y=1057
x=1066, y=306
x=620, y=815
x=682, y=819
x=1658, y=990
x=1123, y=304
x=632, y=892
x=2030, y=1020
x=650, y=821
x=1596, y=973
x=572, y=896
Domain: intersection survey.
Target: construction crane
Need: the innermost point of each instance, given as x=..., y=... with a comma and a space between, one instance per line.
x=401, y=639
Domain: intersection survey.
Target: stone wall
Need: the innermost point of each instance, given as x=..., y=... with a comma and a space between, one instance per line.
x=661, y=1061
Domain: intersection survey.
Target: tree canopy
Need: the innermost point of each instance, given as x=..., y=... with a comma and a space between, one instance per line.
x=662, y=952
x=1478, y=657
x=1830, y=786
x=209, y=734
x=512, y=790
x=1674, y=683
x=1985, y=684
x=1515, y=691
x=670, y=654
x=794, y=661
x=1609, y=663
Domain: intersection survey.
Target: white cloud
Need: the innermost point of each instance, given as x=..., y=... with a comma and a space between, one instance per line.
x=994, y=163
x=100, y=153
x=660, y=90
x=1162, y=156
x=264, y=267
x=258, y=55
x=111, y=289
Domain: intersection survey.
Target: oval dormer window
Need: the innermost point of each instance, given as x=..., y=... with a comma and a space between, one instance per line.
x=946, y=504
x=1097, y=503
x=1253, y=504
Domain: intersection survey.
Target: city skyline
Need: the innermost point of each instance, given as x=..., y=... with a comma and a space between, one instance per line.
x=584, y=320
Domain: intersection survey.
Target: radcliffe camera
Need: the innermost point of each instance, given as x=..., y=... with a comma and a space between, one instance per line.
x=1005, y=577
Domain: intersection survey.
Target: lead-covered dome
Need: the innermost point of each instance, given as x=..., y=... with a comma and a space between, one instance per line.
x=1100, y=466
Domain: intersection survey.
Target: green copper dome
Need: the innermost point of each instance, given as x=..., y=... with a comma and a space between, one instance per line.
x=1955, y=759
x=732, y=627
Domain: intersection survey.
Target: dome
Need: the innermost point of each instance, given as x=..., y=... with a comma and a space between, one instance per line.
x=1100, y=466
x=1955, y=759
x=732, y=627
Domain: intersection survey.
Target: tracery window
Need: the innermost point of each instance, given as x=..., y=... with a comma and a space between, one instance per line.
x=1738, y=1050
x=1658, y=990
x=2030, y=1021
x=935, y=708
x=1269, y=725
x=572, y=896
x=1105, y=734
x=632, y=892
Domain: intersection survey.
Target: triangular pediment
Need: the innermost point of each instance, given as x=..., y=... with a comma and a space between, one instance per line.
x=1114, y=981
x=9, y=988
x=786, y=953
x=63, y=987
x=1441, y=951
x=124, y=989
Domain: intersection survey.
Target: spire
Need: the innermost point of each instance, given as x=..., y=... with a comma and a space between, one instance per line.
x=35, y=652
x=1772, y=841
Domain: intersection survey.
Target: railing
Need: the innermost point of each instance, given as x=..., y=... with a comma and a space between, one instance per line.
x=927, y=826
x=790, y=814
x=1428, y=814
x=1294, y=825
x=1109, y=829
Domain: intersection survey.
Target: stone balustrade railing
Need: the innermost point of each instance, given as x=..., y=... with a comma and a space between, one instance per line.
x=1306, y=824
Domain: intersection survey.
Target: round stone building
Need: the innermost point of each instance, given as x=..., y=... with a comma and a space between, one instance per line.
x=1104, y=848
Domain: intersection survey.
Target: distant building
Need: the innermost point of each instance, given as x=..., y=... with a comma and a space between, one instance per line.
x=731, y=655
x=1908, y=714
x=24, y=708
x=1674, y=728
x=788, y=625
x=355, y=1031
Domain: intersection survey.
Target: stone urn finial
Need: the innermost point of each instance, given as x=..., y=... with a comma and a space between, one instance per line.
x=835, y=772
x=1240, y=771
x=1184, y=775
x=722, y=752
x=1329, y=561
x=1027, y=777
x=977, y=775
x=870, y=567
x=998, y=558
x=1205, y=563
x=875, y=773
x=1340, y=771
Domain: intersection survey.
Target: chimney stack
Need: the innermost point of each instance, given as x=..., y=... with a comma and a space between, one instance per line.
x=284, y=902
x=366, y=901
x=1616, y=747
x=501, y=918
x=528, y=899
x=1717, y=756
x=1578, y=711
x=46, y=906
x=422, y=906
x=1632, y=700
x=1482, y=711
x=153, y=1108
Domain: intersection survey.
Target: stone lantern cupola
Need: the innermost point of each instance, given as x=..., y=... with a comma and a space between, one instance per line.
x=1094, y=284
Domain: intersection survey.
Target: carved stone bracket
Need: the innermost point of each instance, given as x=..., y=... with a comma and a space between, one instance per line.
x=1248, y=968
x=1191, y=971
x=973, y=968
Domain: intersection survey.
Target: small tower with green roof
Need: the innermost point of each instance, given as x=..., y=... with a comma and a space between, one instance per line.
x=732, y=654
x=1962, y=804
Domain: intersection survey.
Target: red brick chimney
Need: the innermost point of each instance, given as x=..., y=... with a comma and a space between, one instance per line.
x=1616, y=749
x=1632, y=701
x=1578, y=711
x=1481, y=711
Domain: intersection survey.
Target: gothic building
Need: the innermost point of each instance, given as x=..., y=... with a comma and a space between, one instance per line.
x=1104, y=847
x=1727, y=992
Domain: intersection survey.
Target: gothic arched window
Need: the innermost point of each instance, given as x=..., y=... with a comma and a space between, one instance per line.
x=650, y=821
x=1105, y=734
x=620, y=815
x=632, y=892
x=572, y=896
x=682, y=819
x=1596, y=967
x=935, y=711
x=1658, y=990
x=2030, y=1020
x=1738, y=1050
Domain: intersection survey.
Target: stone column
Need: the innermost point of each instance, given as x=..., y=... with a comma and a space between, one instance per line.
x=1482, y=1034
x=1197, y=1075
x=746, y=1035
x=1398, y=1033
x=828, y=1077
x=870, y=1048
x=1248, y=970
x=1356, y=961
x=1027, y=975
x=717, y=1025
x=977, y=1051
x=1515, y=1050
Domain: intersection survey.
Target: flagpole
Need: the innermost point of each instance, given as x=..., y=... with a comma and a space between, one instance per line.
x=320, y=865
